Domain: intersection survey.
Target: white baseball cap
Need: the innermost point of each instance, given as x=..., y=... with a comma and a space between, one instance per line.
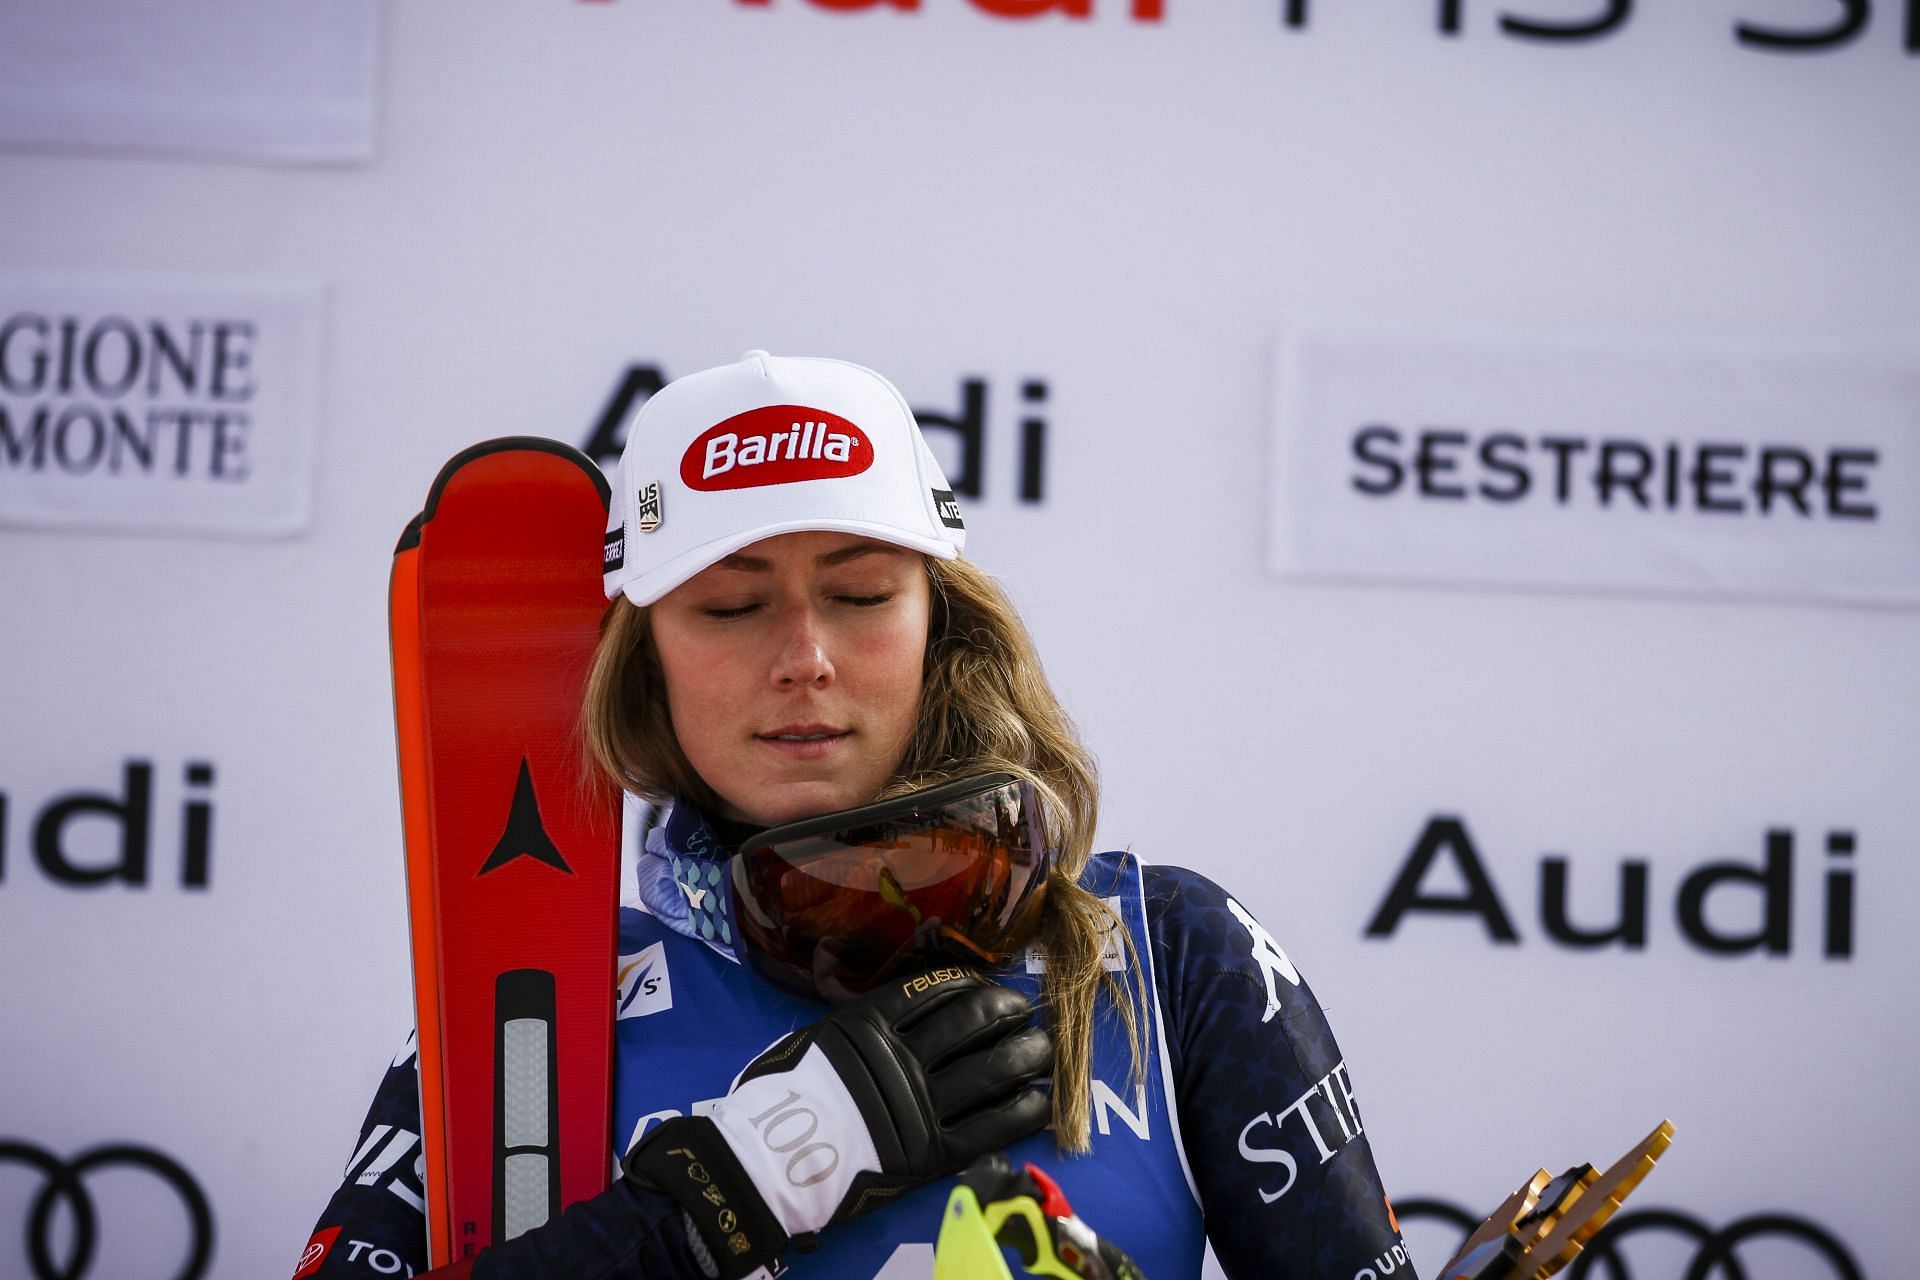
x=774, y=444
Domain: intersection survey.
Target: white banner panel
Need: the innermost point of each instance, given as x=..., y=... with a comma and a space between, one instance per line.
x=1691, y=468
x=142, y=403
x=1071, y=233
x=288, y=82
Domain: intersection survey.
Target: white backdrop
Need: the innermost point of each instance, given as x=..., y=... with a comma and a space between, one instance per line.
x=1133, y=211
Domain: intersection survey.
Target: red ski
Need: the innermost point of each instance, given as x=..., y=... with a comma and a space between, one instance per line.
x=512, y=856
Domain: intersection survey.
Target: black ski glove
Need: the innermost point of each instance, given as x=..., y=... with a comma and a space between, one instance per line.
x=908, y=1083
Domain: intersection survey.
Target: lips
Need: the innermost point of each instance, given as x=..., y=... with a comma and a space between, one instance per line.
x=804, y=743
x=801, y=734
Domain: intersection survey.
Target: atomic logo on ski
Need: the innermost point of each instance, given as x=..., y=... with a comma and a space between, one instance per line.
x=526, y=836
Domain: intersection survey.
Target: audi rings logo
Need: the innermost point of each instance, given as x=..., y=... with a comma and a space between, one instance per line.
x=1715, y=1253
x=66, y=1184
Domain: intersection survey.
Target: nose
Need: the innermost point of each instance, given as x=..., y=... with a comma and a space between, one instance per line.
x=801, y=660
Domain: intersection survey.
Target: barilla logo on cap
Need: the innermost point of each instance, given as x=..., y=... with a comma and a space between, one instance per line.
x=776, y=444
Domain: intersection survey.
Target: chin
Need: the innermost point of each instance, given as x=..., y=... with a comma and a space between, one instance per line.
x=796, y=802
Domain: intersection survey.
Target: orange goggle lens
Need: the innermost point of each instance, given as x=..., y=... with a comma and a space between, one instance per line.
x=835, y=905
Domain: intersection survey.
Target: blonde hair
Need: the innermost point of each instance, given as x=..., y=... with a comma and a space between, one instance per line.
x=985, y=706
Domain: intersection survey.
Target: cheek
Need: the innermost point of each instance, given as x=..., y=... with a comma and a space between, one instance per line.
x=703, y=718
x=902, y=673
x=698, y=687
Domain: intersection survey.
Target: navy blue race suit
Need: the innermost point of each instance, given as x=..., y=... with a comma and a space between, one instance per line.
x=1245, y=1125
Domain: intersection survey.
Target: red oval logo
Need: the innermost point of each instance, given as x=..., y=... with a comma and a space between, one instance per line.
x=777, y=444
x=316, y=1251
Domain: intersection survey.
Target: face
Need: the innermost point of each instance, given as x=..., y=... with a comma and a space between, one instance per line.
x=793, y=671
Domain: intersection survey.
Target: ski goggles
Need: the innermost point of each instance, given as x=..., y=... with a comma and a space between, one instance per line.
x=833, y=906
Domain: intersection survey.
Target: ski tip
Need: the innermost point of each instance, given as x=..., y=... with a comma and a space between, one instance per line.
x=410, y=536
x=513, y=444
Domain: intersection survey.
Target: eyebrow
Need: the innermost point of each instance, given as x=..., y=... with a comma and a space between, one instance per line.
x=756, y=564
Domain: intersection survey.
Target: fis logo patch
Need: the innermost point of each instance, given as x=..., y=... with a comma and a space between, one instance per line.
x=641, y=985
